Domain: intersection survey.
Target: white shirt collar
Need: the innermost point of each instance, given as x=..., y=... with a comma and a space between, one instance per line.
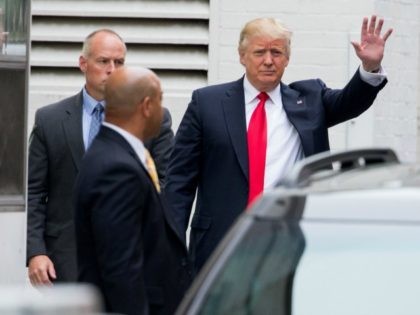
x=89, y=102
x=135, y=142
x=251, y=93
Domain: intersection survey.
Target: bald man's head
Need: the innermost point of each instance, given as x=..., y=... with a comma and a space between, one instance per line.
x=130, y=91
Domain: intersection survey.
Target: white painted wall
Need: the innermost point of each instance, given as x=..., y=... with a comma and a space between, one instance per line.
x=396, y=121
x=320, y=49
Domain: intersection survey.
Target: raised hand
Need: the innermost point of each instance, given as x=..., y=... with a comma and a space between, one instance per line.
x=370, y=50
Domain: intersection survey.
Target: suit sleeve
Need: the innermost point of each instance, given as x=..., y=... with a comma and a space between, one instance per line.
x=117, y=208
x=161, y=147
x=37, y=190
x=184, y=165
x=355, y=98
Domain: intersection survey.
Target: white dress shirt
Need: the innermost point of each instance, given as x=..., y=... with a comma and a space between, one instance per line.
x=284, y=145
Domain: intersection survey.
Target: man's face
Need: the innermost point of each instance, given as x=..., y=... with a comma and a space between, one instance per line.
x=264, y=59
x=106, y=54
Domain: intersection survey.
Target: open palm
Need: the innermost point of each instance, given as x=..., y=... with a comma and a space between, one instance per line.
x=370, y=50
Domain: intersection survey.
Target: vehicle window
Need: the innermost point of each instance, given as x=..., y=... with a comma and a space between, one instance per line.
x=358, y=268
x=258, y=277
x=14, y=69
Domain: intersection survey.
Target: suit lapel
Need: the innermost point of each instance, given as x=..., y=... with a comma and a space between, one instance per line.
x=234, y=110
x=127, y=147
x=297, y=112
x=73, y=129
x=159, y=197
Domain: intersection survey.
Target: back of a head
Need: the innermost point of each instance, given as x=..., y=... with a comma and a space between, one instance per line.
x=264, y=27
x=126, y=87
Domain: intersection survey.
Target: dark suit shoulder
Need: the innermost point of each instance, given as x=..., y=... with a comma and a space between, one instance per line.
x=220, y=88
x=310, y=85
x=55, y=109
x=167, y=118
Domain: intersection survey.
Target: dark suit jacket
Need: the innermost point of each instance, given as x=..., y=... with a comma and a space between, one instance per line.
x=210, y=151
x=55, y=151
x=127, y=245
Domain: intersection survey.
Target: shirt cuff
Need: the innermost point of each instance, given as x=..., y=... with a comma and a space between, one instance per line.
x=373, y=79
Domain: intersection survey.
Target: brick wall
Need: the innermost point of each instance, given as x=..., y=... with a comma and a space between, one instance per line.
x=322, y=31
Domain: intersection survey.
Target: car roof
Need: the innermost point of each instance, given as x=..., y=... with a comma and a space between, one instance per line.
x=400, y=206
x=381, y=176
x=382, y=190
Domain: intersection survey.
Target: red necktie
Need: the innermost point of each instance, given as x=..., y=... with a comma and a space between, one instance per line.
x=257, y=148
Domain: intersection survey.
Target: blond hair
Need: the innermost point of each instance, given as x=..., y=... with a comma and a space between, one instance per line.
x=264, y=27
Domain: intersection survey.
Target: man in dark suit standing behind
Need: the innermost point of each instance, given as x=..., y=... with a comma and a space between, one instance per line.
x=239, y=138
x=127, y=244
x=61, y=134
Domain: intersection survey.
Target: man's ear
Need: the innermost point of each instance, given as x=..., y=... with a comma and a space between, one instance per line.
x=83, y=64
x=146, y=106
x=241, y=57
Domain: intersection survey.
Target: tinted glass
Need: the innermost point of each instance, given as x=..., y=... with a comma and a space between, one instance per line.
x=14, y=37
x=13, y=27
x=331, y=267
x=259, y=276
x=12, y=126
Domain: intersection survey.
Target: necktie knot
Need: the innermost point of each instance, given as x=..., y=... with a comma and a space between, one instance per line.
x=98, y=110
x=95, y=123
x=263, y=97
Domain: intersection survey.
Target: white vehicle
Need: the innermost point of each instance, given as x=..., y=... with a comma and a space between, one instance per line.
x=340, y=235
